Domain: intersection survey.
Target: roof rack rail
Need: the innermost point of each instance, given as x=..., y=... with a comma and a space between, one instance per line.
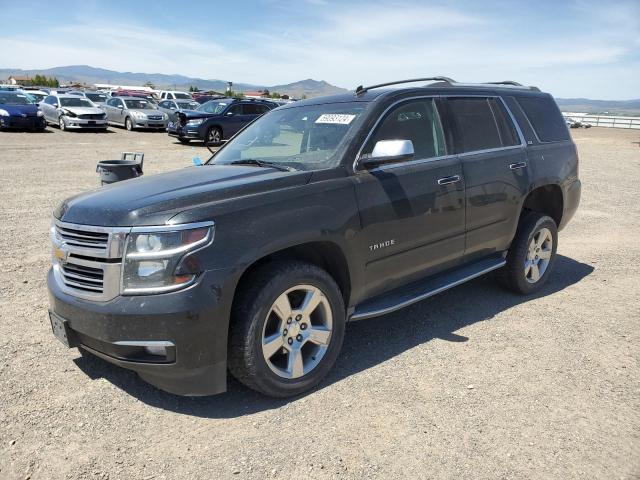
x=362, y=89
x=505, y=83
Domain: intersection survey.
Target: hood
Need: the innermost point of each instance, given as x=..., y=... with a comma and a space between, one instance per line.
x=155, y=199
x=82, y=110
x=189, y=114
x=147, y=111
x=19, y=110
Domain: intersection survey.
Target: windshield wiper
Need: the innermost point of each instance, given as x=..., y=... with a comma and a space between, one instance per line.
x=262, y=163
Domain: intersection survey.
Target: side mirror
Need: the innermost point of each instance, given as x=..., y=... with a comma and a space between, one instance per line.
x=388, y=151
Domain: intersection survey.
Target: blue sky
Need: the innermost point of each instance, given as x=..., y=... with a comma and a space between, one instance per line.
x=574, y=48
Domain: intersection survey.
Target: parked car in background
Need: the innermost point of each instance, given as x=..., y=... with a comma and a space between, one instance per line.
x=17, y=110
x=574, y=123
x=170, y=107
x=135, y=112
x=73, y=112
x=175, y=95
x=98, y=98
x=217, y=120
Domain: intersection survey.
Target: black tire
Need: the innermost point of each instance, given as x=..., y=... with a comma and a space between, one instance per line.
x=250, y=312
x=514, y=275
x=128, y=124
x=214, y=136
x=184, y=141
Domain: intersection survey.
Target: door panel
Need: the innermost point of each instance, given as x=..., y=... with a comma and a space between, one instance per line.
x=496, y=184
x=411, y=224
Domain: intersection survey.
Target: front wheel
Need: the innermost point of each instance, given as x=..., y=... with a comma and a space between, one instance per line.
x=128, y=124
x=287, y=329
x=532, y=254
x=184, y=141
x=62, y=123
x=214, y=136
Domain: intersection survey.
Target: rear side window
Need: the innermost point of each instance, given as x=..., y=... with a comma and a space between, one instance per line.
x=508, y=135
x=545, y=118
x=474, y=125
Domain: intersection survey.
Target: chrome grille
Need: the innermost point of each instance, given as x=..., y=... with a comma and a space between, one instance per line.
x=83, y=238
x=82, y=277
x=87, y=259
x=154, y=117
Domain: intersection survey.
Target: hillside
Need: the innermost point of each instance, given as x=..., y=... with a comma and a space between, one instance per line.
x=89, y=75
x=612, y=107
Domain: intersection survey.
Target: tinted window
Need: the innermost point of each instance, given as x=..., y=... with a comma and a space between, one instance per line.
x=235, y=109
x=474, y=124
x=545, y=118
x=262, y=108
x=417, y=121
x=508, y=134
x=250, y=109
x=51, y=100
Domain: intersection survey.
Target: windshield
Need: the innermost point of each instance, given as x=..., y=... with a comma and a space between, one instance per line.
x=96, y=97
x=75, y=102
x=11, y=98
x=38, y=96
x=139, y=104
x=306, y=137
x=213, y=106
x=188, y=105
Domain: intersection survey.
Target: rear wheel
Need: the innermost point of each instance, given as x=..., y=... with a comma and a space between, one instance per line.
x=532, y=254
x=287, y=329
x=214, y=136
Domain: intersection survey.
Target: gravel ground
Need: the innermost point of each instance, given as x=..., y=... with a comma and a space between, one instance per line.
x=475, y=383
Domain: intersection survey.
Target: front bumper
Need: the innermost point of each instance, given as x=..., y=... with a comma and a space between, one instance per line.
x=20, y=122
x=194, y=322
x=146, y=123
x=185, y=132
x=74, y=122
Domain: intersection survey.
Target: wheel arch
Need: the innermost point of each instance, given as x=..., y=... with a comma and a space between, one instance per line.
x=546, y=199
x=324, y=254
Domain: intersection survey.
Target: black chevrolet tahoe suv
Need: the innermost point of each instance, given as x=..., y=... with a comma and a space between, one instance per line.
x=217, y=120
x=319, y=213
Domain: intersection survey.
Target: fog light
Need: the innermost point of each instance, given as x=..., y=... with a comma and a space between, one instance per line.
x=158, y=350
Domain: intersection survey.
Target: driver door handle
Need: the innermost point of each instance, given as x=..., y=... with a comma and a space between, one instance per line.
x=517, y=166
x=448, y=180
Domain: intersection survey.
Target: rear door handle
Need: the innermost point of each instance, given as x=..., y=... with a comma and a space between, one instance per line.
x=517, y=166
x=448, y=180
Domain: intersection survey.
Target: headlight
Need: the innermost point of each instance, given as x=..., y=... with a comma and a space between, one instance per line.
x=68, y=113
x=139, y=115
x=40, y=114
x=195, y=122
x=154, y=261
x=3, y=113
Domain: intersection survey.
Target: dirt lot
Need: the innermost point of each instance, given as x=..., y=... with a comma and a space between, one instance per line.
x=475, y=383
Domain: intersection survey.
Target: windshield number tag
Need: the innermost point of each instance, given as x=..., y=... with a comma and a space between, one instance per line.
x=335, y=118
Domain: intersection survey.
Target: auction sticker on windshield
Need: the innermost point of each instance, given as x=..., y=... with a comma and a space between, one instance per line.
x=337, y=118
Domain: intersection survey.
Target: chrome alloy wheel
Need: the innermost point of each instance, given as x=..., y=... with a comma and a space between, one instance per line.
x=297, y=331
x=538, y=255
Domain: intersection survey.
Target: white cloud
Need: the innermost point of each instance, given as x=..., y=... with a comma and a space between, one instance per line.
x=348, y=44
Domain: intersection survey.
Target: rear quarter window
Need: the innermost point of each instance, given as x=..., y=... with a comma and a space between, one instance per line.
x=545, y=118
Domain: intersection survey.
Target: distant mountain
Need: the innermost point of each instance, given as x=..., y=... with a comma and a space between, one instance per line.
x=90, y=75
x=613, y=107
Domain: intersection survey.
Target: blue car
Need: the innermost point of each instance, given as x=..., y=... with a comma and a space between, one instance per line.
x=217, y=120
x=17, y=110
